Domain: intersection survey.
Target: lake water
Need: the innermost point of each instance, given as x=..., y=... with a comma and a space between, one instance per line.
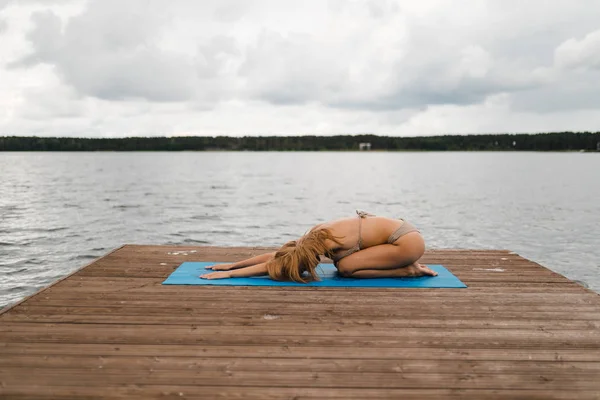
x=58, y=211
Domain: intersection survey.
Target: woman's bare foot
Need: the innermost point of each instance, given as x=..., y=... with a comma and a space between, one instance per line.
x=416, y=270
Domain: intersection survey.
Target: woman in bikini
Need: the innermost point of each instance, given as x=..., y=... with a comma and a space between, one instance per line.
x=365, y=247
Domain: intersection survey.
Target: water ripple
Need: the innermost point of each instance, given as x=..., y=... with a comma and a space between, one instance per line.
x=206, y=217
x=126, y=206
x=196, y=241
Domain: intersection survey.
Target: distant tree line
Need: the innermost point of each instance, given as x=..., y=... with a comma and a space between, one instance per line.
x=563, y=141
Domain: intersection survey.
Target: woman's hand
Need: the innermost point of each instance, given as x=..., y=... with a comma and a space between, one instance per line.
x=220, y=267
x=216, y=275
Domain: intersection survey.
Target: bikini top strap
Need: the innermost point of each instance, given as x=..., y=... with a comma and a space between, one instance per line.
x=361, y=215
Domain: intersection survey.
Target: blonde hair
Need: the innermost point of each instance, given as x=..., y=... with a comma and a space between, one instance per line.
x=297, y=256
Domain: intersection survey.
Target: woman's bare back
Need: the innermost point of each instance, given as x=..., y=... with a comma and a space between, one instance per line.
x=374, y=230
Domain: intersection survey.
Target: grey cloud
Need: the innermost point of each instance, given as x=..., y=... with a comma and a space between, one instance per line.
x=420, y=94
x=3, y=25
x=110, y=52
x=4, y=3
x=380, y=9
x=291, y=70
x=59, y=102
x=579, y=54
x=442, y=62
x=299, y=69
x=213, y=55
x=45, y=37
x=575, y=91
x=231, y=11
x=573, y=80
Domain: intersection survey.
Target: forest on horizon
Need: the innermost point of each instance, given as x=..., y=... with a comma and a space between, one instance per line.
x=560, y=141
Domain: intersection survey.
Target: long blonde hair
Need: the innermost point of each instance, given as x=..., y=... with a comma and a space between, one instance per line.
x=297, y=256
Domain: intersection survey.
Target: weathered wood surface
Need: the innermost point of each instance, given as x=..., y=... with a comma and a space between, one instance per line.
x=111, y=330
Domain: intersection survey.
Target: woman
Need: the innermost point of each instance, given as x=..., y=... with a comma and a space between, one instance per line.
x=367, y=247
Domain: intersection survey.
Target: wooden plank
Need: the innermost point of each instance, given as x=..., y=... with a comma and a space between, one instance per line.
x=426, y=338
x=329, y=298
x=151, y=285
x=241, y=308
x=195, y=309
x=467, y=322
x=25, y=392
x=185, y=295
x=304, y=352
x=294, y=364
x=277, y=329
x=474, y=289
x=335, y=297
x=315, y=379
x=538, y=319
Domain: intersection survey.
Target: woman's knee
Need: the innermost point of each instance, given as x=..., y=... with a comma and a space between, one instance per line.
x=410, y=248
x=344, y=269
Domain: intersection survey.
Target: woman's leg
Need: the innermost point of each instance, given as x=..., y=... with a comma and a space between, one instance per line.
x=412, y=270
x=386, y=259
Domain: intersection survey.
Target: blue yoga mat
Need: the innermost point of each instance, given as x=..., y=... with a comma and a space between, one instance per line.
x=188, y=274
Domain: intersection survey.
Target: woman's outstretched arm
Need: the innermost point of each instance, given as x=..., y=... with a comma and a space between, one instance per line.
x=254, y=270
x=244, y=263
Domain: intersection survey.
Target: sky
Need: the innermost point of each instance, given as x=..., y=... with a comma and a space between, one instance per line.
x=111, y=68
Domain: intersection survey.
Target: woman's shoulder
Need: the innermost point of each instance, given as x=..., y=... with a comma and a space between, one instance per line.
x=317, y=227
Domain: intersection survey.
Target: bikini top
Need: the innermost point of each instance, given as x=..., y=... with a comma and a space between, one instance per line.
x=337, y=257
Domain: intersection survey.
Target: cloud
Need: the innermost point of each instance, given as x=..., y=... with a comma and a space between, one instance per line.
x=497, y=114
x=41, y=101
x=21, y=3
x=570, y=83
x=292, y=69
x=110, y=52
x=579, y=54
x=378, y=58
x=231, y=10
x=366, y=55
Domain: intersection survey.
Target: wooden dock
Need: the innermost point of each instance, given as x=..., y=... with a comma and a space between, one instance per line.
x=111, y=330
